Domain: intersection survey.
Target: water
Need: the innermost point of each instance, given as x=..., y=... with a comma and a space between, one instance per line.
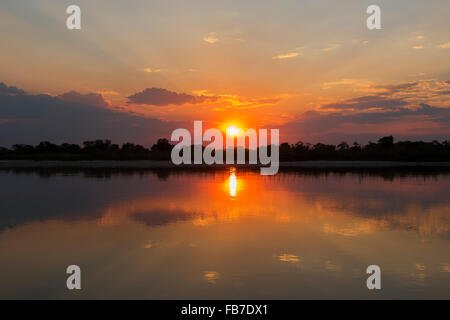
x=224, y=234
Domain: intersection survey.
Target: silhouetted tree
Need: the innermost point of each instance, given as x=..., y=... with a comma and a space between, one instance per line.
x=162, y=145
x=46, y=147
x=343, y=146
x=23, y=149
x=386, y=141
x=70, y=148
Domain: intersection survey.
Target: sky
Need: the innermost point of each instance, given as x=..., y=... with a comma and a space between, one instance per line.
x=139, y=69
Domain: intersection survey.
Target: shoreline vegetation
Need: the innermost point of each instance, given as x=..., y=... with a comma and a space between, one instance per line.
x=104, y=154
x=165, y=164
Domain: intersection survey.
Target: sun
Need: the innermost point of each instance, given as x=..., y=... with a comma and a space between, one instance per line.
x=233, y=130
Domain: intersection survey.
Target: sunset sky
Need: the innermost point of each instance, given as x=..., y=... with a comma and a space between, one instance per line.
x=138, y=69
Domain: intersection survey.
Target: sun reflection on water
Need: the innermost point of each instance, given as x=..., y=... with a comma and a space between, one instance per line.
x=232, y=182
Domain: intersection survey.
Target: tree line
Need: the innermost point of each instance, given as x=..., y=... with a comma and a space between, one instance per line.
x=385, y=149
x=90, y=150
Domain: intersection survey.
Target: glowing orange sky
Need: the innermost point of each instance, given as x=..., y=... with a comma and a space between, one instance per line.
x=254, y=64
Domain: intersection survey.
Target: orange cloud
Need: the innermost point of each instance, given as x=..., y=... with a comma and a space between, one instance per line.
x=150, y=70
x=444, y=45
x=332, y=47
x=211, y=38
x=286, y=55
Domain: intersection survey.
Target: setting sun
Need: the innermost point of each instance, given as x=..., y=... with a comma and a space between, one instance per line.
x=233, y=130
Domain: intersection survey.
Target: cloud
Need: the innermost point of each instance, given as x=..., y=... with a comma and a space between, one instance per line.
x=211, y=37
x=444, y=45
x=431, y=91
x=418, y=47
x=286, y=55
x=399, y=87
x=366, y=102
x=72, y=117
x=163, y=97
x=417, y=110
x=419, y=122
x=346, y=82
x=150, y=70
x=9, y=91
x=89, y=99
x=108, y=93
x=332, y=47
x=229, y=101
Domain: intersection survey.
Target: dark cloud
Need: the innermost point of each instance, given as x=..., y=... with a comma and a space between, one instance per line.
x=93, y=99
x=399, y=87
x=163, y=97
x=321, y=121
x=9, y=91
x=398, y=106
x=319, y=124
x=424, y=89
x=432, y=113
x=366, y=102
x=72, y=117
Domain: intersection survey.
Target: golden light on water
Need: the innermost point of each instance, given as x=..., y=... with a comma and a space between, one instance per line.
x=232, y=183
x=211, y=276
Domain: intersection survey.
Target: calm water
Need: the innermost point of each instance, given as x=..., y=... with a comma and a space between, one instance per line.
x=224, y=234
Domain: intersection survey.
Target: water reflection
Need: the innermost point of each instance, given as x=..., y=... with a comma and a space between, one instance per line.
x=292, y=258
x=225, y=234
x=232, y=182
x=211, y=276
